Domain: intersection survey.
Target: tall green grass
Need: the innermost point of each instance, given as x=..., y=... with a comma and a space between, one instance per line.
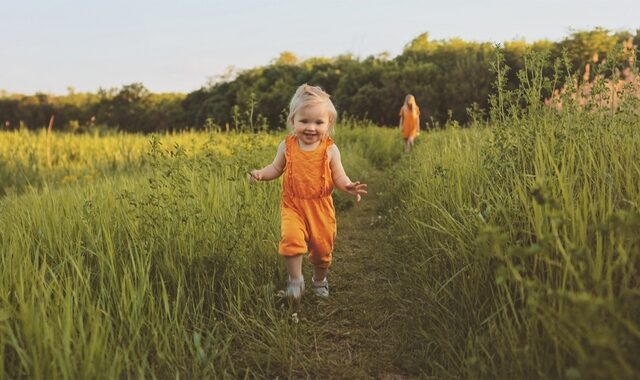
x=515, y=249
x=85, y=158
x=166, y=270
x=158, y=276
x=518, y=245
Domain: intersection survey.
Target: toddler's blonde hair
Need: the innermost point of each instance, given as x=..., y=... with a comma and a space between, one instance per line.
x=306, y=96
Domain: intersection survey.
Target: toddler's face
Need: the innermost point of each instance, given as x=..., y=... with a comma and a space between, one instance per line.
x=311, y=123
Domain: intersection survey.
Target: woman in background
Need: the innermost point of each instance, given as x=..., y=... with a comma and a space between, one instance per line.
x=409, y=121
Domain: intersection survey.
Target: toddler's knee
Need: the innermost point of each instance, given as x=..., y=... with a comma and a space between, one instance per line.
x=292, y=243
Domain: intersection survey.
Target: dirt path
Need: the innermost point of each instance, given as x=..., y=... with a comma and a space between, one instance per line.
x=354, y=327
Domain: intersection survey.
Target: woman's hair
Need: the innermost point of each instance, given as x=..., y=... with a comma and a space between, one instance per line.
x=410, y=104
x=310, y=95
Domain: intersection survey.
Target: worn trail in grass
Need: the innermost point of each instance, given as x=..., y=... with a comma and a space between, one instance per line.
x=353, y=330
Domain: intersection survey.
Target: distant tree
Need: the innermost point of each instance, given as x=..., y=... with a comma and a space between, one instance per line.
x=286, y=58
x=587, y=46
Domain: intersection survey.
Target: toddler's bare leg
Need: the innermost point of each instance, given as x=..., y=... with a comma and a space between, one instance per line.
x=294, y=266
x=319, y=273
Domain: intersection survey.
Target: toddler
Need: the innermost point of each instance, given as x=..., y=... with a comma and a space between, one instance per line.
x=311, y=165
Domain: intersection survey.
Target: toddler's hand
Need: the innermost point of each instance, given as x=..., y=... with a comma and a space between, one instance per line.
x=255, y=175
x=357, y=188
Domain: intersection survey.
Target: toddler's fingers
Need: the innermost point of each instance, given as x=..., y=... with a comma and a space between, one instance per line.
x=358, y=198
x=358, y=185
x=353, y=185
x=253, y=176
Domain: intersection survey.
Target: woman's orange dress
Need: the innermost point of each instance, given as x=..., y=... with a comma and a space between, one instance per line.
x=409, y=122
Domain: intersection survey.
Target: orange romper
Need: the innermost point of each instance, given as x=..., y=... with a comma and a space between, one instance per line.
x=409, y=122
x=307, y=215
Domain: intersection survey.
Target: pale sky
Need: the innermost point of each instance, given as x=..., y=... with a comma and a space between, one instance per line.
x=176, y=46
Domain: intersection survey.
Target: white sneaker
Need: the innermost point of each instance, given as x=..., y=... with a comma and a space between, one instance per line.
x=295, y=288
x=321, y=288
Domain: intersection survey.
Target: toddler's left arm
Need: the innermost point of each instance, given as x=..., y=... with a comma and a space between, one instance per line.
x=340, y=178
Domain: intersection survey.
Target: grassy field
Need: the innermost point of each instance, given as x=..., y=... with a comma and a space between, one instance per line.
x=170, y=268
x=32, y=160
x=501, y=251
x=519, y=247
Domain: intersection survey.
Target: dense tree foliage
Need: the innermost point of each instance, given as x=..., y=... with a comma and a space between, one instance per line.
x=447, y=78
x=132, y=108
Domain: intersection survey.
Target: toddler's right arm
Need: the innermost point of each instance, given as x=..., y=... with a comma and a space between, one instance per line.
x=273, y=170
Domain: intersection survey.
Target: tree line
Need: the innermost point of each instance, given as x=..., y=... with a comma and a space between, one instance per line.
x=451, y=80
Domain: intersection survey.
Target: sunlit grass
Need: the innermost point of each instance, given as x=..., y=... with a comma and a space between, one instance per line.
x=84, y=158
x=513, y=251
x=518, y=247
x=167, y=269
